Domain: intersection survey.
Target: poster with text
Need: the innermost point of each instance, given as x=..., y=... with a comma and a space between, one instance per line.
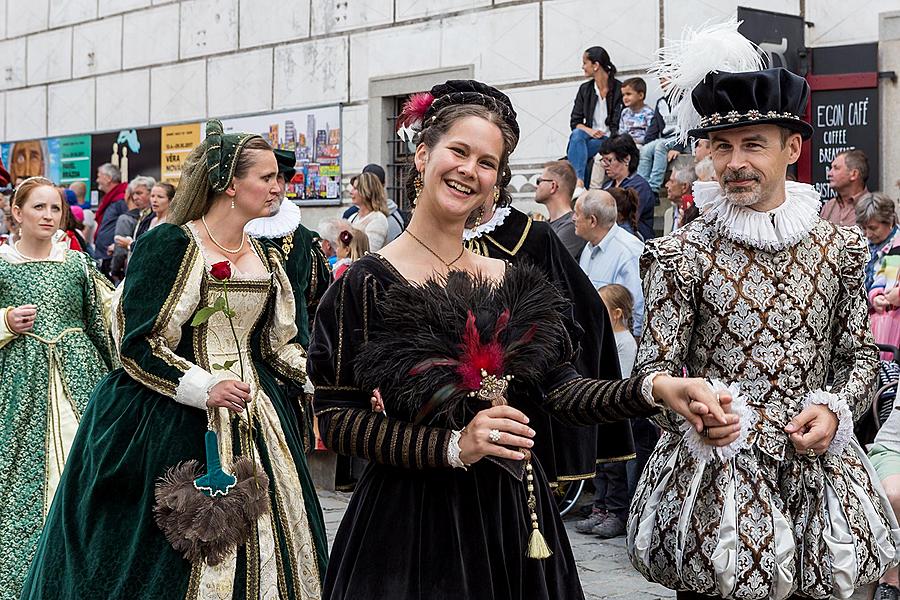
x=134, y=151
x=314, y=136
x=75, y=160
x=177, y=143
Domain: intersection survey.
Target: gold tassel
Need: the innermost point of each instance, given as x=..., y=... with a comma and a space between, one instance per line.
x=537, y=545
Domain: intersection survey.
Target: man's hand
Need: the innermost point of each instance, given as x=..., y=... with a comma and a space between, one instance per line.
x=813, y=428
x=672, y=155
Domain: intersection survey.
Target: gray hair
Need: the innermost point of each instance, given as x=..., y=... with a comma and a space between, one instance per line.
x=600, y=205
x=685, y=175
x=876, y=206
x=111, y=171
x=141, y=180
x=330, y=229
x=705, y=170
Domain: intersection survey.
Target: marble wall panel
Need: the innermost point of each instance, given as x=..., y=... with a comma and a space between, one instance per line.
x=97, y=47
x=71, y=107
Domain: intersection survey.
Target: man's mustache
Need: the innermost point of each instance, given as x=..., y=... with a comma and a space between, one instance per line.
x=742, y=175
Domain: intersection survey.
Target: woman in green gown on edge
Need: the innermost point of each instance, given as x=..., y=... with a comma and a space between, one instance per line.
x=54, y=348
x=190, y=377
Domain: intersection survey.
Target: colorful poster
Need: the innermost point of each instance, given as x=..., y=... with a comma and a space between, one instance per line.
x=75, y=160
x=315, y=137
x=32, y=158
x=134, y=151
x=177, y=143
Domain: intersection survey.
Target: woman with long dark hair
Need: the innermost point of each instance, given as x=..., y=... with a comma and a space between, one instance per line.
x=461, y=347
x=627, y=203
x=595, y=115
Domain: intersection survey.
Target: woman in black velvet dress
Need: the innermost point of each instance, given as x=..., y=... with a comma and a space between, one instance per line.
x=442, y=511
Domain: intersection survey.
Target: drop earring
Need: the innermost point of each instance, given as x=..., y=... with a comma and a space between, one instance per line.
x=232, y=203
x=479, y=217
x=418, y=185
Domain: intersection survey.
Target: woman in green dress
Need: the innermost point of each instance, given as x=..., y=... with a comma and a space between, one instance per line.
x=54, y=348
x=102, y=539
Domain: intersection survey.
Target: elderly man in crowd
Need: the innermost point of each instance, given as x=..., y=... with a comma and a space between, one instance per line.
x=611, y=254
x=137, y=199
x=847, y=176
x=109, y=182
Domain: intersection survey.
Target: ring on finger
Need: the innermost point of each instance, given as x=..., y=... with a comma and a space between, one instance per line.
x=494, y=435
x=705, y=432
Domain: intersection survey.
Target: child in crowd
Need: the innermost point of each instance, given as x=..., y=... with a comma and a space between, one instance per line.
x=352, y=245
x=661, y=145
x=636, y=116
x=620, y=306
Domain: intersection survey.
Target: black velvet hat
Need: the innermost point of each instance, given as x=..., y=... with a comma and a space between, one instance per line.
x=287, y=163
x=732, y=100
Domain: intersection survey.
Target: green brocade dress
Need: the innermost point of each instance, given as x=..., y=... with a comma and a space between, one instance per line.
x=101, y=540
x=46, y=378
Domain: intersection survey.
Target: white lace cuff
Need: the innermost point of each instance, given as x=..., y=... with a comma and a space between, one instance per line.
x=841, y=410
x=193, y=387
x=453, y=451
x=647, y=387
x=696, y=443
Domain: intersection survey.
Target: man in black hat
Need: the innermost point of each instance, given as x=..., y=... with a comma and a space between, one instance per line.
x=305, y=264
x=762, y=296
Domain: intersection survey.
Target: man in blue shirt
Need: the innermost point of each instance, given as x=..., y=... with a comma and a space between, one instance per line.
x=611, y=254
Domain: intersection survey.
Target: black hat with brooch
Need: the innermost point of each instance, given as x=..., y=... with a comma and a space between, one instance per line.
x=715, y=80
x=771, y=96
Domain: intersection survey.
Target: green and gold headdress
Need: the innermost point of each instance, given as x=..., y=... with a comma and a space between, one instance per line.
x=208, y=169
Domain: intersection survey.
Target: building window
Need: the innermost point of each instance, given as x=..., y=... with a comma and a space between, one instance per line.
x=400, y=157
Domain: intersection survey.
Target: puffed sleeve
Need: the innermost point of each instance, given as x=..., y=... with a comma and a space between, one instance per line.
x=347, y=423
x=159, y=296
x=668, y=312
x=855, y=356
x=286, y=356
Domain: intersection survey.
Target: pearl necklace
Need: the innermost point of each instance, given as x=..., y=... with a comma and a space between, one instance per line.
x=221, y=247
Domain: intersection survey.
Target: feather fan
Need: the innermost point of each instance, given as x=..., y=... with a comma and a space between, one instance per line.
x=427, y=355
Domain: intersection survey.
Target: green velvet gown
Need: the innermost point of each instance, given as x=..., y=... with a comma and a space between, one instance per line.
x=46, y=378
x=101, y=540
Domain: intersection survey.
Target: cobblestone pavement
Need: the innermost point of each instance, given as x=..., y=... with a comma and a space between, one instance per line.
x=602, y=564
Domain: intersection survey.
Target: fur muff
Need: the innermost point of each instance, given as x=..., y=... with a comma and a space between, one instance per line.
x=425, y=325
x=201, y=527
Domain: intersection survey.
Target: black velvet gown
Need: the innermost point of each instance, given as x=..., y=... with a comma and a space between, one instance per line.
x=417, y=528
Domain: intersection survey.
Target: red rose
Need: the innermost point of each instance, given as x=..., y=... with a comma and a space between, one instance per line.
x=221, y=270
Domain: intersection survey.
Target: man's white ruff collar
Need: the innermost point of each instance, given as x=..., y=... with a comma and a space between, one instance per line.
x=285, y=221
x=495, y=221
x=774, y=230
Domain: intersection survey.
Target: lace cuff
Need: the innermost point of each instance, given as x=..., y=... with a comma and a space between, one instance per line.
x=647, y=388
x=841, y=410
x=453, y=451
x=193, y=387
x=697, y=445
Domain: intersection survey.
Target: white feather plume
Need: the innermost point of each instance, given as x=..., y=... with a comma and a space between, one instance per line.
x=686, y=62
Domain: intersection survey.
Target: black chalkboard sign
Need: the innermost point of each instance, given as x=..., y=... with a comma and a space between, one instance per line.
x=843, y=120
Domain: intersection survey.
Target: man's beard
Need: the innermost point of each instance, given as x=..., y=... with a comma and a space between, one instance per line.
x=746, y=195
x=276, y=206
